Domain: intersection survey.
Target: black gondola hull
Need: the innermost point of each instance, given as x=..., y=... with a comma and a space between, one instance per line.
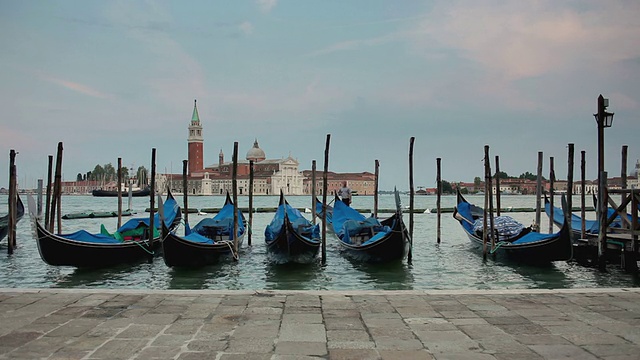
x=4, y=221
x=114, y=193
x=58, y=251
x=178, y=252
x=395, y=246
x=290, y=244
x=555, y=248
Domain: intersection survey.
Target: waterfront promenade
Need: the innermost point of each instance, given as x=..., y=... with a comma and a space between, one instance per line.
x=200, y=324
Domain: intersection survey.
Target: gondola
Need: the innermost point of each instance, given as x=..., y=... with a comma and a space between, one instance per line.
x=95, y=214
x=4, y=221
x=290, y=237
x=368, y=239
x=113, y=193
x=591, y=226
x=130, y=243
x=207, y=242
x=514, y=240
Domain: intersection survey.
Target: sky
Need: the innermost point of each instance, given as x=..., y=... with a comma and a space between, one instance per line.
x=115, y=79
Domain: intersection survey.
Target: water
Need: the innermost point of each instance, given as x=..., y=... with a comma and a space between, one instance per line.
x=452, y=264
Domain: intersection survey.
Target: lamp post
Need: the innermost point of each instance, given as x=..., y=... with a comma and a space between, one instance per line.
x=604, y=119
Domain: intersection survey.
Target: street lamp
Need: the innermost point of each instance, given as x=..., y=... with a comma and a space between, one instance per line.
x=603, y=119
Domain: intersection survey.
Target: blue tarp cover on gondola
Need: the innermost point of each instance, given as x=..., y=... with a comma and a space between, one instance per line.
x=170, y=209
x=348, y=222
x=85, y=236
x=299, y=222
x=464, y=210
x=219, y=225
x=591, y=226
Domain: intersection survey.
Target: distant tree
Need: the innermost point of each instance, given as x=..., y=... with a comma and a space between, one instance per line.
x=97, y=173
x=464, y=191
x=79, y=177
x=529, y=176
x=477, y=181
x=125, y=173
x=109, y=172
x=502, y=175
x=446, y=187
x=88, y=176
x=141, y=174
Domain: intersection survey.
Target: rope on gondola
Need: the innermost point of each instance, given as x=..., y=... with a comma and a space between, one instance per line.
x=498, y=244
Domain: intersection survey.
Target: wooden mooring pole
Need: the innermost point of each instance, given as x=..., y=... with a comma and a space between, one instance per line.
x=375, y=190
x=438, y=198
x=119, y=192
x=492, y=227
x=12, y=202
x=602, y=220
x=635, y=196
x=324, y=199
x=48, y=210
x=583, y=189
x=552, y=179
x=570, y=184
x=58, y=189
x=313, y=192
x=185, y=191
x=411, y=196
x=39, y=198
x=250, y=230
x=497, y=185
x=623, y=171
x=539, y=190
x=487, y=177
x=234, y=184
x=152, y=202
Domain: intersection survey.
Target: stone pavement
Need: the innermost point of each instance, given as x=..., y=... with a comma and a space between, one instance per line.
x=124, y=324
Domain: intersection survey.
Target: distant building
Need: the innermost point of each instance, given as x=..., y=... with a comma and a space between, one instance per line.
x=195, y=143
x=270, y=176
x=360, y=183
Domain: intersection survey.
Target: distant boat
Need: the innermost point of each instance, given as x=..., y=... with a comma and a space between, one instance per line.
x=95, y=214
x=4, y=221
x=112, y=193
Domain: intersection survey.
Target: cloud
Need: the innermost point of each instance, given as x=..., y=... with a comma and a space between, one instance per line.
x=355, y=44
x=77, y=87
x=172, y=75
x=267, y=5
x=520, y=40
x=246, y=28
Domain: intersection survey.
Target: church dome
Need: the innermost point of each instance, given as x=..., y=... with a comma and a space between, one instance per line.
x=255, y=153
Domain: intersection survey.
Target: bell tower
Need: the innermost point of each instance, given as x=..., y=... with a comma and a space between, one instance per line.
x=195, y=141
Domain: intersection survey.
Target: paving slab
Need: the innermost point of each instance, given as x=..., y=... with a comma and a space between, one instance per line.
x=280, y=325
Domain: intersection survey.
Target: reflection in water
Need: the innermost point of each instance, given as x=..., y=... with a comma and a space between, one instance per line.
x=394, y=275
x=206, y=277
x=81, y=277
x=294, y=276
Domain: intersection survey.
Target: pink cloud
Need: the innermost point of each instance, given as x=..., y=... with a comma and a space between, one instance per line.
x=77, y=87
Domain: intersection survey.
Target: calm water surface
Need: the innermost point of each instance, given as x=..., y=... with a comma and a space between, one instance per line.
x=452, y=264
